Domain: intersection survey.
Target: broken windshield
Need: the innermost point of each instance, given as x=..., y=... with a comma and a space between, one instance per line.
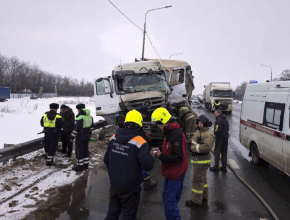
x=142, y=82
x=222, y=93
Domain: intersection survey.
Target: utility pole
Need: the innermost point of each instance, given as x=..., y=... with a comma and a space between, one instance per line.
x=144, y=31
x=270, y=68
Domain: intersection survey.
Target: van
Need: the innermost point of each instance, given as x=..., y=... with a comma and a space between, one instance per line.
x=265, y=125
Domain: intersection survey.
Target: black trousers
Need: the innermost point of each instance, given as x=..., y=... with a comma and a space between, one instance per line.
x=125, y=201
x=221, y=148
x=50, y=144
x=82, y=148
x=67, y=145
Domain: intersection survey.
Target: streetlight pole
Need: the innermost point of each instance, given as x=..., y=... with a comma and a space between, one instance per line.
x=270, y=68
x=144, y=31
x=174, y=55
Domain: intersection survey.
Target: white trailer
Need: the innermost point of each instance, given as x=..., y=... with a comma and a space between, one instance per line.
x=265, y=123
x=221, y=91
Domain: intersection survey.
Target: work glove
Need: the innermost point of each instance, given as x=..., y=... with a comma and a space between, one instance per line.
x=194, y=146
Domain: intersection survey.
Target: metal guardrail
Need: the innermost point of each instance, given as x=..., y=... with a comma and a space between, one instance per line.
x=33, y=145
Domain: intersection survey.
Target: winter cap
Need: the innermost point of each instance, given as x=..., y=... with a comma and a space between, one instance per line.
x=80, y=106
x=143, y=110
x=54, y=106
x=63, y=106
x=206, y=122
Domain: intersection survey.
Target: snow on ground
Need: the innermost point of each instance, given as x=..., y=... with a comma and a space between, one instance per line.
x=20, y=118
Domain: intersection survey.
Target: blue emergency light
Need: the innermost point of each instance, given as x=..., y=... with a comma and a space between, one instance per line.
x=254, y=81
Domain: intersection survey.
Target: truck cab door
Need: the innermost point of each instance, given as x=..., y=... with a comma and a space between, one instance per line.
x=105, y=97
x=177, y=85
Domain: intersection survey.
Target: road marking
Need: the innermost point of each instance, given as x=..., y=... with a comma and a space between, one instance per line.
x=234, y=164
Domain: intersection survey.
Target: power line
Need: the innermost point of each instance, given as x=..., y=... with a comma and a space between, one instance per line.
x=137, y=27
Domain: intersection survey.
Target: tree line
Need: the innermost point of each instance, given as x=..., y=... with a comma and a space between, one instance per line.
x=20, y=75
x=240, y=89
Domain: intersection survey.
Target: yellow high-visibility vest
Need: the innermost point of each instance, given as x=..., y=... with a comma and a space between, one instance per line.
x=49, y=123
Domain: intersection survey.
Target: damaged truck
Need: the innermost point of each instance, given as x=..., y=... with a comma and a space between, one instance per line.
x=153, y=83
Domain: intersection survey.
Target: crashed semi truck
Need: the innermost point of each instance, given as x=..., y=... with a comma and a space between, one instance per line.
x=221, y=91
x=153, y=83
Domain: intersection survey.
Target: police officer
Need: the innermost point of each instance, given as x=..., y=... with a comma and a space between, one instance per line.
x=173, y=156
x=221, y=132
x=217, y=104
x=202, y=143
x=52, y=123
x=69, y=120
x=82, y=132
x=188, y=122
x=126, y=156
x=148, y=181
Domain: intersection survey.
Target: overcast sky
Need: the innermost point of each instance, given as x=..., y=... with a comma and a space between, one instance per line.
x=223, y=40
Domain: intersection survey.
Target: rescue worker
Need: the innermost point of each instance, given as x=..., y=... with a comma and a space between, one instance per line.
x=173, y=156
x=126, y=156
x=52, y=123
x=69, y=120
x=188, y=122
x=148, y=181
x=202, y=143
x=217, y=104
x=221, y=132
x=82, y=132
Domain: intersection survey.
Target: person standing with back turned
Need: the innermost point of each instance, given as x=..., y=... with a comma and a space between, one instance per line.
x=126, y=156
x=221, y=132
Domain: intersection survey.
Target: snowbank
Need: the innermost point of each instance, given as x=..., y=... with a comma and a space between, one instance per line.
x=20, y=118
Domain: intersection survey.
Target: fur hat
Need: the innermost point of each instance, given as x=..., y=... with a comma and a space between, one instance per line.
x=63, y=106
x=54, y=106
x=80, y=106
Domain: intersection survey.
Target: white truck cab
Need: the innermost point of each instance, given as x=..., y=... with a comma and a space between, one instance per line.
x=265, y=123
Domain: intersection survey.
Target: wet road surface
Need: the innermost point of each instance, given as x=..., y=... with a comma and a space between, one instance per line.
x=88, y=198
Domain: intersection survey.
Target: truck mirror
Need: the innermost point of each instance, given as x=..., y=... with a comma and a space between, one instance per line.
x=234, y=94
x=184, y=95
x=113, y=75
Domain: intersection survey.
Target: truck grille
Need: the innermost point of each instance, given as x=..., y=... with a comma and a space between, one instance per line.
x=151, y=103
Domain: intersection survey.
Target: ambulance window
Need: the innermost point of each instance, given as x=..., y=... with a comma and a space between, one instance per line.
x=273, y=116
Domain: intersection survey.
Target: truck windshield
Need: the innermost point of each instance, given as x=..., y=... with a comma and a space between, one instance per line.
x=222, y=93
x=142, y=82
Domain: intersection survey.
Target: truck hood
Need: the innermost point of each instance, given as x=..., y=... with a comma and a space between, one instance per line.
x=142, y=95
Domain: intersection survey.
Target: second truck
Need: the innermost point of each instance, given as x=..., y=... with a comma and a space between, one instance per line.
x=221, y=91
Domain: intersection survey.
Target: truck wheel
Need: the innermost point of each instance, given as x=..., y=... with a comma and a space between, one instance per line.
x=255, y=154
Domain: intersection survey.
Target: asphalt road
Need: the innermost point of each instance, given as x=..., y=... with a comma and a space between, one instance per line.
x=88, y=198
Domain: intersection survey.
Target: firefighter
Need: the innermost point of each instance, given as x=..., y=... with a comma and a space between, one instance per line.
x=202, y=143
x=69, y=120
x=217, y=104
x=188, y=121
x=221, y=132
x=52, y=123
x=126, y=156
x=82, y=132
x=148, y=181
x=173, y=158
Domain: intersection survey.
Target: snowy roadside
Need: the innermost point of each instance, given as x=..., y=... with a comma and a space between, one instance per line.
x=26, y=183
x=20, y=118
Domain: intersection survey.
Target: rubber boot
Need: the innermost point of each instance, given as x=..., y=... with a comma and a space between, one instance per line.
x=149, y=183
x=78, y=168
x=214, y=169
x=223, y=169
x=190, y=203
x=86, y=166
